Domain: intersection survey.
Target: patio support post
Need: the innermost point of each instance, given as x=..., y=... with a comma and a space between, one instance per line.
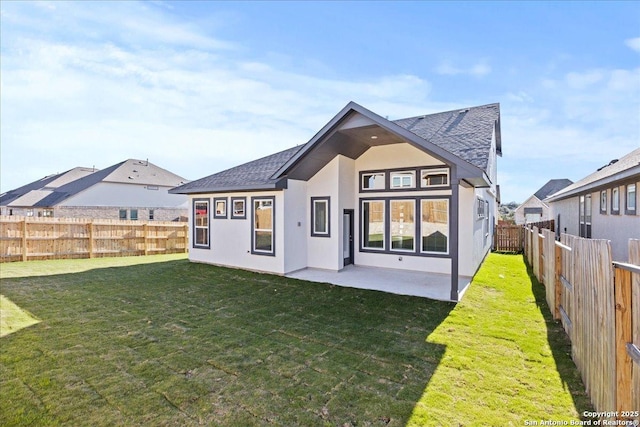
x=454, y=213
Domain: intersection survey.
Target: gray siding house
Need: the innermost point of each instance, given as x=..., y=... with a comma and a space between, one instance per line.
x=602, y=205
x=416, y=194
x=132, y=190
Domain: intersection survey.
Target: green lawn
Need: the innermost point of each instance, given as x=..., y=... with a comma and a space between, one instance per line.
x=160, y=341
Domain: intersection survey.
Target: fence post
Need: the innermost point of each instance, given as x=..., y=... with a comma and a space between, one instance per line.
x=186, y=238
x=24, y=239
x=90, y=229
x=145, y=233
x=557, y=282
x=624, y=367
x=541, y=258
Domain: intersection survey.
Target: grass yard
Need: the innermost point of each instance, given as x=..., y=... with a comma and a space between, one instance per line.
x=160, y=341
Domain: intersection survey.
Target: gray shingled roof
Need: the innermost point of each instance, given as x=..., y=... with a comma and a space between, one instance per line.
x=553, y=186
x=254, y=175
x=34, y=191
x=467, y=134
x=626, y=167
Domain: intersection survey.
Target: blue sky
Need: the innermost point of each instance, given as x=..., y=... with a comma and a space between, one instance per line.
x=197, y=87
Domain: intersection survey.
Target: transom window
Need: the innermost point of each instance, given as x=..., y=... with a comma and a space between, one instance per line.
x=373, y=181
x=434, y=177
x=404, y=179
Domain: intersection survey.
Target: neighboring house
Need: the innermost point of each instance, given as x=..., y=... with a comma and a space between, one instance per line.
x=534, y=209
x=133, y=189
x=416, y=194
x=603, y=205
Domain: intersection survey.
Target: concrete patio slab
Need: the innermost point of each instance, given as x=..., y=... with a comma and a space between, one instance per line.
x=402, y=282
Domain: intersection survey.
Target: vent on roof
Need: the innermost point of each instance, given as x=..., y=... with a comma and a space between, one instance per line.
x=608, y=164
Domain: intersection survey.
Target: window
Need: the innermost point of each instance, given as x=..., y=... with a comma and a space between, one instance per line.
x=631, y=200
x=434, y=225
x=238, y=206
x=403, y=225
x=373, y=181
x=220, y=205
x=133, y=215
x=151, y=214
x=201, y=223
x=320, y=216
x=603, y=202
x=122, y=214
x=585, y=216
x=615, y=201
x=404, y=179
x=262, y=238
x=373, y=224
x=480, y=209
x=434, y=177
x=47, y=213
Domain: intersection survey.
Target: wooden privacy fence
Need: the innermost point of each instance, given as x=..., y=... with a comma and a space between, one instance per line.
x=508, y=238
x=597, y=301
x=28, y=238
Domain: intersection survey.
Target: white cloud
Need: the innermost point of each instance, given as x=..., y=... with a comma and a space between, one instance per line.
x=478, y=70
x=583, y=80
x=633, y=43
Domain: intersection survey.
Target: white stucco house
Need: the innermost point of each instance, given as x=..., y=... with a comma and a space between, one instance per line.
x=129, y=190
x=414, y=194
x=534, y=209
x=602, y=205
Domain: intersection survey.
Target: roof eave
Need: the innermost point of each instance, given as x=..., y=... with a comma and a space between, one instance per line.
x=632, y=172
x=466, y=169
x=280, y=184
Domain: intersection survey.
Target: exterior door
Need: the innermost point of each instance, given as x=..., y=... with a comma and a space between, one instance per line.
x=347, y=236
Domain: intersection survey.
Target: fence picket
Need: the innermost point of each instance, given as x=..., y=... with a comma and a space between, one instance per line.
x=24, y=238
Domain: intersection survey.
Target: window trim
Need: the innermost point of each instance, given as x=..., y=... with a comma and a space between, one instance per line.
x=633, y=211
x=362, y=174
x=120, y=216
x=417, y=176
x=233, y=209
x=433, y=170
x=415, y=226
x=402, y=174
x=603, y=201
x=615, y=191
x=255, y=251
x=194, y=243
x=133, y=217
x=314, y=232
x=216, y=215
x=386, y=249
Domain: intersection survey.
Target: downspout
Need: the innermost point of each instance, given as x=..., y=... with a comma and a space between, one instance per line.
x=454, y=213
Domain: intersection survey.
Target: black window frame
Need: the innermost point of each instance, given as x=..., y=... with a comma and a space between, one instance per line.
x=273, y=226
x=215, y=207
x=232, y=210
x=326, y=199
x=194, y=243
x=417, y=179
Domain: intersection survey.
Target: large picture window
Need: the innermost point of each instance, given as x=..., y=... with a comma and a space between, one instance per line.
x=320, y=217
x=434, y=225
x=373, y=224
x=403, y=225
x=201, y=223
x=263, y=239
